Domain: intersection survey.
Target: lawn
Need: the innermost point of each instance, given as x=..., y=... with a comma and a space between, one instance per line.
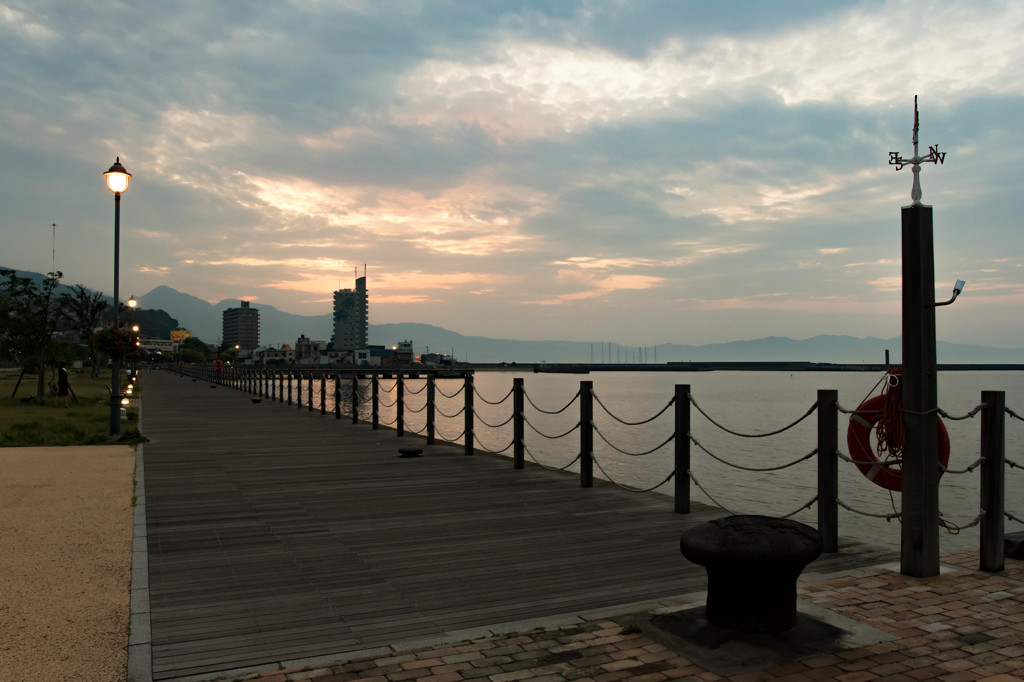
x=86, y=420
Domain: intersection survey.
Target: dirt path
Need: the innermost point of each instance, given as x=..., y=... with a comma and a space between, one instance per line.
x=65, y=562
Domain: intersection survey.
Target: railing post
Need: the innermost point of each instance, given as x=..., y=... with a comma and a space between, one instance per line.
x=323, y=393
x=400, y=404
x=682, y=449
x=263, y=383
x=280, y=385
x=355, y=398
x=309, y=393
x=375, y=400
x=828, y=469
x=430, y=409
x=468, y=417
x=298, y=389
x=518, y=423
x=586, y=434
x=337, y=396
x=993, y=470
x=273, y=385
x=289, y=373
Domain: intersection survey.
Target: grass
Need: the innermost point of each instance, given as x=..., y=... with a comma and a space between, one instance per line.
x=86, y=420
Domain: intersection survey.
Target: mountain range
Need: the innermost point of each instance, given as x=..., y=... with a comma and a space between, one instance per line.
x=278, y=327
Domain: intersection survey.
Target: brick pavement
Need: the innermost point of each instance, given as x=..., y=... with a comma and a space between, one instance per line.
x=961, y=625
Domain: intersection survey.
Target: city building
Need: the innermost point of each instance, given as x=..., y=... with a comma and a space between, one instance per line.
x=351, y=322
x=241, y=327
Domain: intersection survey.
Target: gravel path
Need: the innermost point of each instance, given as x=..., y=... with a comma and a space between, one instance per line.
x=65, y=562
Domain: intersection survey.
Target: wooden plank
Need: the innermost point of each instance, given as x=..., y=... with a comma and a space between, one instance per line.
x=276, y=533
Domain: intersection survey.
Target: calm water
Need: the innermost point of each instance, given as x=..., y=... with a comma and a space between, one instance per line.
x=747, y=402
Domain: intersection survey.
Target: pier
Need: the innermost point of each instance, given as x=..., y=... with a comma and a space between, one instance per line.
x=274, y=536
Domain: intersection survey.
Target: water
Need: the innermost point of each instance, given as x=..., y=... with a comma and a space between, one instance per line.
x=747, y=402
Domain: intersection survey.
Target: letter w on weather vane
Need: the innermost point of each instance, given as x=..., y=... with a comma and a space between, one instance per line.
x=934, y=156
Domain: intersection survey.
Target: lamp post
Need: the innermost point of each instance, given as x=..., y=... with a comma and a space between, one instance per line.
x=117, y=182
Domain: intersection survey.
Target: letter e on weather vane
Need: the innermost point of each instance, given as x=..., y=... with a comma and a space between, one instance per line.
x=934, y=156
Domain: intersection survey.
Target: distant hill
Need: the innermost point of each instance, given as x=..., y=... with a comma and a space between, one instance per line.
x=278, y=327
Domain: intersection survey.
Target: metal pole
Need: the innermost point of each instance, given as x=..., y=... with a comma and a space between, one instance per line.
x=115, y=360
x=587, y=433
x=400, y=404
x=919, y=547
x=828, y=470
x=469, y=414
x=682, y=449
x=518, y=423
x=431, y=397
x=993, y=469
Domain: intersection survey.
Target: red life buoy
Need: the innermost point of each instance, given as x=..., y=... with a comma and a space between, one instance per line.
x=859, y=441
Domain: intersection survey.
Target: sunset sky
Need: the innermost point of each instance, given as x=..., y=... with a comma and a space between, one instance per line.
x=589, y=170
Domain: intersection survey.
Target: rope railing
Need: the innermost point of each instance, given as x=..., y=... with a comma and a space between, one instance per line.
x=560, y=411
x=887, y=517
x=1012, y=517
x=806, y=414
x=966, y=470
x=483, y=399
x=660, y=412
x=551, y=468
x=449, y=439
x=608, y=477
x=970, y=415
x=493, y=452
x=416, y=410
x=780, y=467
x=1013, y=414
x=453, y=395
x=420, y=390
x=632, y=454
x=493, y=426
x=541, y=433
x=449, y=416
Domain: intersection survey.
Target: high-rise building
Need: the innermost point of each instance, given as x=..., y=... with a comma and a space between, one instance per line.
x=242, y=327
x=351, y=323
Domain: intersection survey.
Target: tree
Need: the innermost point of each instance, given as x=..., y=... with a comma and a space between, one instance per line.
x=194, y=350
x=30, y=315
x=84, y=309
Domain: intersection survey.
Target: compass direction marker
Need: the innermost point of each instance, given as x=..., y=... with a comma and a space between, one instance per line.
x=934, y=156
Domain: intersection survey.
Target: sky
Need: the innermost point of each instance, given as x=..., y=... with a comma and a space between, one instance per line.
x=590, y=170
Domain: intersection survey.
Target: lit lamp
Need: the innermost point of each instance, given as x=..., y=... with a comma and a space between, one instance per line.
x=117, y=182
x=132, y=302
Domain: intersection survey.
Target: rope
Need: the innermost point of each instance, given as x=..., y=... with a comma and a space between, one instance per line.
x=446, y=438
x=1013, y=414
x=970, y=467
x=632, y=454
x=477, y=394
x=453, y=395
x=1013, y=465
x=627, y=487
x=671, y=402
x=412, y=392
x=1012, y=517
x=419, y=432
x=713, y=500
x=493, y=426
x=571, y=401
x=847, y=458
x=969, y=415
x=388, y=423
x=887, y=517
x=391, y=404
x=493, y=452
x=551, y=468
x=420, y=409
x=541, y=433
x=387, y=390
x=752, y=435
x=955, y=529
x=810, y=454
x=449, y=416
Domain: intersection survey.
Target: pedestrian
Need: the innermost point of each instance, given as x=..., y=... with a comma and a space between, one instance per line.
x=63, y=387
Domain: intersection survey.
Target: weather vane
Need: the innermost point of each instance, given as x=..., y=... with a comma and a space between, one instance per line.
x=934, y=156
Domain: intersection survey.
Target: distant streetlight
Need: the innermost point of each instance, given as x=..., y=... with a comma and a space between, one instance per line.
x=132, y=302
x=117, y=182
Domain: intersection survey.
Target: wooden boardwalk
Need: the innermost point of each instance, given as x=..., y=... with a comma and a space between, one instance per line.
x=277, y=534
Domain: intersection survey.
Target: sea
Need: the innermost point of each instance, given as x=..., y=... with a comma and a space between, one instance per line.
x=750, y=403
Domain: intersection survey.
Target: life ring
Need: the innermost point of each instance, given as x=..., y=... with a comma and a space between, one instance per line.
x=859, y=441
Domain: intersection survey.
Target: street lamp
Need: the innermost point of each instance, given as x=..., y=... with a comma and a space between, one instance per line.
x=117, y=182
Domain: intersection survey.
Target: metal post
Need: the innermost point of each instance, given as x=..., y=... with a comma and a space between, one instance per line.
x=323, y=394
x=309, y=394
x=298, y=389
x=400, y=403
x=273, y=384
x=355, y=398
x=586, y=434
x=682, y=449
x=518, y=423
x=375, y=401
x=430, y=408
x=919, y=547
x=828, y=470
x=337, y=396
x=280, y=380
x=289, y=379
x=993, y=469
x=469, y=414
x=115, y=360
